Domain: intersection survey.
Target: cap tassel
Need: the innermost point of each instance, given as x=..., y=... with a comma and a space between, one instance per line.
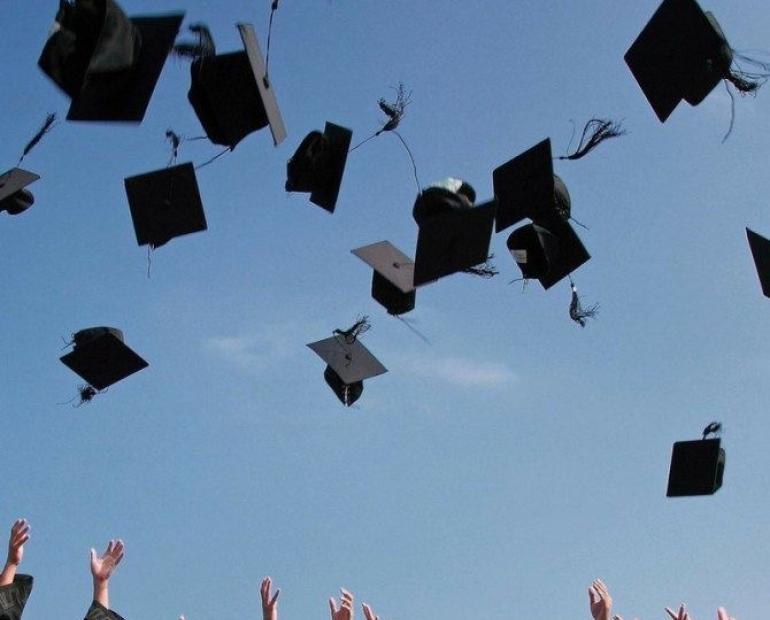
x=712, y=429
x=577, y=312
x=745, y=82
x=175, y=140
x=596, y=131
x=484, y=270
x=203, y=48
x=361, y=326
x=273, y=9
x=413, y=329
x=393, y=110
x=47, y=126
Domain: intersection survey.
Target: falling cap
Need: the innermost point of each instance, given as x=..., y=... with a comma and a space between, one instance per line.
x=760, y=250
x=107, y=63
x=318, y=164
x=101, y=358
x=13, y=197
x=681, y=53
x=697, y=468
x=232, y=95
x=547, y=254
x=526, y=187
x=165, y=204
x=393, y=279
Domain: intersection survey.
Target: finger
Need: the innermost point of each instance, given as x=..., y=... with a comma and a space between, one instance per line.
x=93, y=554
x=275, y=598
x=333, y=606
x=181, y=617
x=119, y=547
x=593, y=595
x=672, y=614
x=616, y=617
x=20, y=542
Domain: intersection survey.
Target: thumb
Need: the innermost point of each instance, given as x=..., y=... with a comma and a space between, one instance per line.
x=93, y=554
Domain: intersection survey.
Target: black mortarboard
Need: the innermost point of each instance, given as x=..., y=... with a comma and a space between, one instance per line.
x=318, y=164
x=453, y=241
x=348, y=365
x=697, y=468
x=393, y=278
x=548, y=254
x=526, y=187
x=760, y=250
x=232, y=95
x=101, y=358
x=99, y=612
x=13, y=597
x=107, y=63
x=13, y=197
x=165, y=204
x=680, y=54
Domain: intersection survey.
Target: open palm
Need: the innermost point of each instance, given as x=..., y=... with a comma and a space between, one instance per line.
x=19, y=535
x=103, y=565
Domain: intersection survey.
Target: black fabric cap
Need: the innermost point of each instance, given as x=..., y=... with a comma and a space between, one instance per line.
x=454, y=241
x=393, y=278
x=524, y=187
x=99, y=612
x=352, y=362
x=548, y=254
x=229, y=95
x=107, y=63
x=760, y=250
x=393, y=299
x=697, y=468
x=318, y=164
x=13, y=597
x=348, y=393
x=680, y=54
x=101, y=358
x=165, y=204
x=13, y=197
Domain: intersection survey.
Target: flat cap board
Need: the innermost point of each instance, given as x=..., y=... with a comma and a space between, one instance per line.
x=760, y=250
x=390, y=262
x=352, y=362
x=524, y=187
x=103, y=361
x=677, y=56
x=130, y=103
x=572, y=253
x=14, y=180
x=165, y=204
x=328, y=189
x=249, y=38
x=454, y=241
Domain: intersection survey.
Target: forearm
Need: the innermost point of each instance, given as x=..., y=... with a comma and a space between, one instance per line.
x=8, y=574
x=101, y=592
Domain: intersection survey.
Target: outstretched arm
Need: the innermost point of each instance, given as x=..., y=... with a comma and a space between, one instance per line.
x=599, y=600
x=101, y=570
x=19, y=535
x=269, y=604
x=345, y=609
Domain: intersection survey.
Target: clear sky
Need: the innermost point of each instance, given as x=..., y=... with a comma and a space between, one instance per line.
x=493, y=473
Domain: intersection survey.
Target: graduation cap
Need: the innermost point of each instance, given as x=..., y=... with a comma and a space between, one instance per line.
x=393, y=276
x=681, y=53
x=101, y=358
x=107, y=63
x=318, y=164
x=453, y=234
x=760, y=250
x=547, y=254
x=14, y=198
x=165, y=204
x=349, y=363
x=13, y=597
x=697, y=467
x=232, y=96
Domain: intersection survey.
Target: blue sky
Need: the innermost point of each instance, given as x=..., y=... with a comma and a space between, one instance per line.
x=494, y=472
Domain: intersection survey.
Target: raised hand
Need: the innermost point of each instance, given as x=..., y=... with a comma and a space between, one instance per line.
x=103, y=565
x=723, y=615
x=269, y=605
x=19, y=535
x=599, y=600
x=345, y=609
x=369, y=614
x=679, y=615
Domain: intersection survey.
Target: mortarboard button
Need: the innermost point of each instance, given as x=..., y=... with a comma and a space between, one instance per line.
x=232, y=96
x=101, y=358
x=548, y=254
x=350, y=362
x=393, y=277
x=697, y=468
x=760, y=250
x=680, y=54
x=165, y=204
x=318, y=165
x=13, y=197
x=107, y=63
